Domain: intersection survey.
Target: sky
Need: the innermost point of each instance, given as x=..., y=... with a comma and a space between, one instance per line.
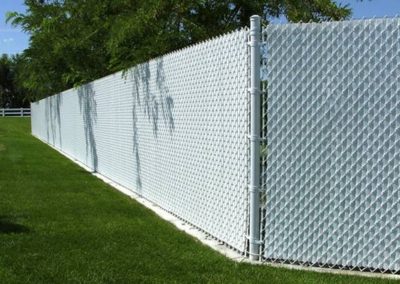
x=13, y=40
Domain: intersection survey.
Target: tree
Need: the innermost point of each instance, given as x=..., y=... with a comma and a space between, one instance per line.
x=76, y=41
x=11, y=95
x=66, y=45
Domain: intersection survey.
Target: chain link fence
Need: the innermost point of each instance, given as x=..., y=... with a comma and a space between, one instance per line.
x=176, y=130
x=173, y=130
x=333, y=130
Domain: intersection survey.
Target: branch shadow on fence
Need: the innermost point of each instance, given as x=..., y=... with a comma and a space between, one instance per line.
x=150, y=102
x=53, y=118
x=87, y=106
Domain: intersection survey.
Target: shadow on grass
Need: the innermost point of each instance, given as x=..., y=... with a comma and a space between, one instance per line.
x=9, y=227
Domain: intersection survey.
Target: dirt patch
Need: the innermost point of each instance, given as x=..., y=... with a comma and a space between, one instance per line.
x=2, y=147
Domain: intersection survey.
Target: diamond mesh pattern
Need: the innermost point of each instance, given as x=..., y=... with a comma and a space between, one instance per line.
x=332, y=179
x=174, y=130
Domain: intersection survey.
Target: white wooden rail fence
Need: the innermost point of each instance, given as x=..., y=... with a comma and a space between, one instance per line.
x=15, y=112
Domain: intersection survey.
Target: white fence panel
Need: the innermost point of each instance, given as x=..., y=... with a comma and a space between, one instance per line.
x=173, y=130
x=333, y=132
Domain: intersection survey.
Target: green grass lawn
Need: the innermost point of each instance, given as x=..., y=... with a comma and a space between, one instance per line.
x=59, y=224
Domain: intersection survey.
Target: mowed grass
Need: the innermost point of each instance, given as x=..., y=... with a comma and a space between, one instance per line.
x=59, y=224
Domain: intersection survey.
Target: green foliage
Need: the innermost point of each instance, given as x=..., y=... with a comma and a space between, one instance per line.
x=11, y=94
x=76, y=41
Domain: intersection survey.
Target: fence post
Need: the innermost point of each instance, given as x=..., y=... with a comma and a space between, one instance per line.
x=255, y=129
x=21, y=111
x=3, y=112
